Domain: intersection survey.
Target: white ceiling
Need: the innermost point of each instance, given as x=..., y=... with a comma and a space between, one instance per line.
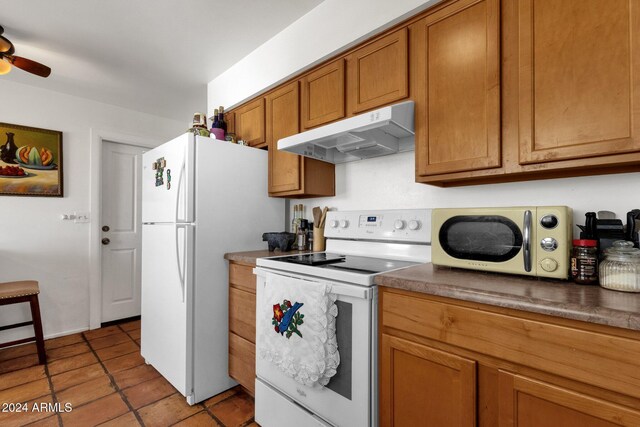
x=154, y=56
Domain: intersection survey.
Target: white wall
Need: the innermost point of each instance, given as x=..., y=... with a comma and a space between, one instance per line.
x=34, y=242
x=331, y=27
x=389, y=183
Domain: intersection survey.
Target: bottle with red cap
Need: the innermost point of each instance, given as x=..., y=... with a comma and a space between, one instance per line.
x=584, y=261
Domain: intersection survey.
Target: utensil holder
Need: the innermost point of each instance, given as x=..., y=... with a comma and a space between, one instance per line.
x=318, y=239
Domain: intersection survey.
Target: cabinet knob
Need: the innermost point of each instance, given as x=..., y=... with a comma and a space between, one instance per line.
x=106, y=241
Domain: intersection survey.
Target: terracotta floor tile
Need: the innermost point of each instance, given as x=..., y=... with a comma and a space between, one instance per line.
x=109, y=341
x=220, y=397
x=62, y=341
x=253, y=424
x=134, y=334
x=123, y=362
x=96, y=412
x=130, y=326
x=102, y=332
x=167, y=411
x=134, y=376
x=17, y=351
x=125, y=420
x=148, y=392
x=51, y=421
x=86, y=392
x=25, y=392
x=201, y=419
x=67, y=351
x=21, y=418
x=22, y=376
x=138, y=342
x=234, y=411
x=73, y=362
x=117, y=350
x=77, y=376
x=19, y=363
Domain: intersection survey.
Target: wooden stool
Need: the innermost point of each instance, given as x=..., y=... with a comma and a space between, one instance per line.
x=24, y=291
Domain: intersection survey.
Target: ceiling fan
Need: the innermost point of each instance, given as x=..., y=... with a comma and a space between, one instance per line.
x=7, y=59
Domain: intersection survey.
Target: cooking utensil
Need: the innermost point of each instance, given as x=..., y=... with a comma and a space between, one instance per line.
x=317, y=214
x=324, y=216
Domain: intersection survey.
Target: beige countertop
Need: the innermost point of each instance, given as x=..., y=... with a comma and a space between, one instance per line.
x=249, y=257
x=544, y=296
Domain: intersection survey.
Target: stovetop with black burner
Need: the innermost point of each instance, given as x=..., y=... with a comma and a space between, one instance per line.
x=350, y=263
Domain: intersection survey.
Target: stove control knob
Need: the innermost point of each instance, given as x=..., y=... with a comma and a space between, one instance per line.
x=333, y=223
x=344, y=223
x=414, y=224
x=399, y=224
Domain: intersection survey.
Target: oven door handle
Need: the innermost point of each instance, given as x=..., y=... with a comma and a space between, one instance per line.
x=354, y=291
x=526, y=244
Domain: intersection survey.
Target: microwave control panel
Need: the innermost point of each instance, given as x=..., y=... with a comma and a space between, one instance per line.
x=410, y=225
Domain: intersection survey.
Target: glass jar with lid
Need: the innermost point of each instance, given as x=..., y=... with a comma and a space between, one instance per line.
x=620, y=269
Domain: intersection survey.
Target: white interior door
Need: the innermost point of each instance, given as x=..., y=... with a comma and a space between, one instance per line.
x=121, y=230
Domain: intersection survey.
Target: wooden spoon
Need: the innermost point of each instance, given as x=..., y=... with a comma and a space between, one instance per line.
x=317, y=215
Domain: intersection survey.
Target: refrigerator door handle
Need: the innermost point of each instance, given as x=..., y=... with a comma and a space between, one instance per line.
x=180, y=259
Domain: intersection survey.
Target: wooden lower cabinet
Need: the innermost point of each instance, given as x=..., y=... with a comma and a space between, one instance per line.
x=527, y=402
x=422, y=383
x=242, y=324
x=445, y=362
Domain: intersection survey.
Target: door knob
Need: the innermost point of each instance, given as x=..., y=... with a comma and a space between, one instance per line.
x=105, y=228
x=106, y=241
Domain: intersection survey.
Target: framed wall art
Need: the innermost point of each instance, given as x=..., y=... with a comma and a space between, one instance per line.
x=30, y=161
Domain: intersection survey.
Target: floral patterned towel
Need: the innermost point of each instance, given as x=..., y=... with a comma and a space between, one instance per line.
x=297, y=329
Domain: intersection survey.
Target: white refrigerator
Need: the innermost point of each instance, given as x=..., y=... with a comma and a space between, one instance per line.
x=200, y=198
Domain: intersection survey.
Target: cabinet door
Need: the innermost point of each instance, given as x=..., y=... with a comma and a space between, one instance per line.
x=424, y=386
x=456, y=76
x=525, y=402
x=579, y=84
x=230, y=118
x=282, y=121
x=323, y=95
x=250, y=123
x=378, y=74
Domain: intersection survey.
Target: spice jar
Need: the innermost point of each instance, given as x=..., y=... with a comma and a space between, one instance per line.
x=584, y=262
x=620, y=269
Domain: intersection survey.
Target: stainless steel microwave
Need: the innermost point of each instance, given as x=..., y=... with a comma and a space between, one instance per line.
x=529, y=240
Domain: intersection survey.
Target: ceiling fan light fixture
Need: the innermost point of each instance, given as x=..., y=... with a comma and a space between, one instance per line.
x=5, y=45
x=5, y=66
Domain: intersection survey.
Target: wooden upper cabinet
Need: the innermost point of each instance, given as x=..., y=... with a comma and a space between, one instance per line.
x=283, y=120
x=526, y=402
x=249, y=123
x=455, y=72
x=230, y=118
x=323, y=95
x=423, y=386
x=291, y=175
x=378, y=73
x=579, y=79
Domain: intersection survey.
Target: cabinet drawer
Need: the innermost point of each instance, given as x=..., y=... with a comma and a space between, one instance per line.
x=242, y=361
x=241, y=276
x=570, y=352
x=242, y=314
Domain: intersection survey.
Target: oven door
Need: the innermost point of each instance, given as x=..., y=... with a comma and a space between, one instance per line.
x=485, y=239
x=347, y=400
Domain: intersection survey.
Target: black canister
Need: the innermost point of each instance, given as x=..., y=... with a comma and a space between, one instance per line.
x=584, y=262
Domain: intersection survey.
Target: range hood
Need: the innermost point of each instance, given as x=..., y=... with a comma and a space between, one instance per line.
x=387, y=130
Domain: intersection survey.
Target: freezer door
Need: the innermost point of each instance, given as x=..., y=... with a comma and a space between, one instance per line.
x=167, y=302
x=168, y=181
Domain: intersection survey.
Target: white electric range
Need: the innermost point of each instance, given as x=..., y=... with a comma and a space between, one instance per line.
x=360, y=245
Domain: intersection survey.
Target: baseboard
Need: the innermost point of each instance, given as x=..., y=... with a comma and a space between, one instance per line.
x=119, y=321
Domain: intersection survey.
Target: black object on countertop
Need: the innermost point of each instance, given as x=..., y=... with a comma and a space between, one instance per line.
x=633, y=217
x=281, y=240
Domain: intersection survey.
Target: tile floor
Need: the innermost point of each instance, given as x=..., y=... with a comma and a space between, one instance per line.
x=102, y=376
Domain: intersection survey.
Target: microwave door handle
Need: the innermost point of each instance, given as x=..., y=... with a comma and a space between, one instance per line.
x=526, y=232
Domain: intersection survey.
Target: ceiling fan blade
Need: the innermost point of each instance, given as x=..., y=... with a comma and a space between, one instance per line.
x=30, y=66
